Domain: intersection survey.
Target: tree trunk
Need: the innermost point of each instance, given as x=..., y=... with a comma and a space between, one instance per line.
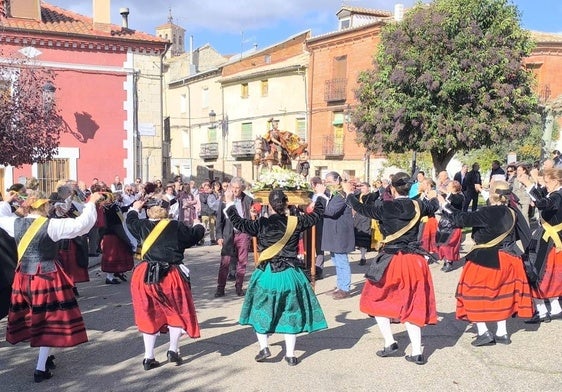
x=441, y=159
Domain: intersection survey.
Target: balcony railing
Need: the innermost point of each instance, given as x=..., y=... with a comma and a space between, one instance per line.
x=332, y=147
x=243, y=149
x=334, y=90
x=209, y=151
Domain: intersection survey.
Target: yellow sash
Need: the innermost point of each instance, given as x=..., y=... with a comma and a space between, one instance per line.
x=29, y=235
x=552, y=232
x=499, y=239
x=276, y=248
x=406, y=228
x=154, y=234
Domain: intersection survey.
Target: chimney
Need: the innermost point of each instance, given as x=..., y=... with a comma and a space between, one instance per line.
x=398, y=12
x=102, y=15
x=28, y=9
x=125, y=17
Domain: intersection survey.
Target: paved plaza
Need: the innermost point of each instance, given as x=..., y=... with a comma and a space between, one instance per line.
x=341, y=358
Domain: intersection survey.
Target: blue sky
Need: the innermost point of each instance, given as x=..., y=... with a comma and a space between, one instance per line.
x=232, y=26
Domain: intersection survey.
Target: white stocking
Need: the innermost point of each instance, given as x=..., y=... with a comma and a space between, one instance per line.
x=149, y=342
x=555, y=306
x=386, y=331
x=541, y=306
x=175, y=335
x=482, y=328
x=42, y=358
x=110, y=276
x=290, y=341
x=414, y=333
x=262, y=340
x=502, y=328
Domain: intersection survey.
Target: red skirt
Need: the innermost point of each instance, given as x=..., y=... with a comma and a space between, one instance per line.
x=550, y=285
x=116, y=255
x=67, y=258
x=44, y=311
x=429, y=235
x=167, y=303
x=405, y=292
x=451, y=250
x=488, y=294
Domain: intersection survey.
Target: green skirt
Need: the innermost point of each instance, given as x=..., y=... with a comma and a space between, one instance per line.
x=281, y=302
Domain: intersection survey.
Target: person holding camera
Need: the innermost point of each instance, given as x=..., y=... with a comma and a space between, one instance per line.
x=160, y=287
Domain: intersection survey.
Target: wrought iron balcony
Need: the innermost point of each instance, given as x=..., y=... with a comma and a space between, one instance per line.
x=332, y=147
x=209, y=151
x=335, y=90
x=243, y=149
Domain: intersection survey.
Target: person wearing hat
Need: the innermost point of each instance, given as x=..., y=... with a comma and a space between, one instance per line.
x=279, y=298
x=43, y=309
x=160, y=288
x=399, y=285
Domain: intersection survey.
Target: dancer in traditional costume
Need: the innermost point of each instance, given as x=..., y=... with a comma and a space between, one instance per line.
x=449, y=237
x=400, y=287
x=279, y=298
x=493, y=286
x=8, y=261
x=160, y=288
x=43, y=307
x=117, y=249
x=546, y=248
x=73, y=253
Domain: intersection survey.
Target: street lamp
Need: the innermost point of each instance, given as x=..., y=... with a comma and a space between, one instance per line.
x=49, y=90
x=223, y=125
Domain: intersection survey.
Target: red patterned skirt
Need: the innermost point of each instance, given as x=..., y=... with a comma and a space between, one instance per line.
x=67, y=258
x=405, y=292
x=44, y=311
x=167, y=303
x=429, y=235
x=488, y=294
x=550, y=285
x=116, y=255
x=451, y=250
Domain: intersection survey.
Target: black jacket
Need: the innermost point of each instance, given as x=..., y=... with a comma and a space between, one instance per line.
x=170, y=244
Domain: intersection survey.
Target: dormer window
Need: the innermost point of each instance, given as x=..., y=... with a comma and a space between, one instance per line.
x=345, y=23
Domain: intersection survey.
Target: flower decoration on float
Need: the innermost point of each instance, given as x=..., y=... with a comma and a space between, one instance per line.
x=277, y=177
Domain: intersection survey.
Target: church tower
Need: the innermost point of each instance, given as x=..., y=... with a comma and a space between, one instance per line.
x=173, y=33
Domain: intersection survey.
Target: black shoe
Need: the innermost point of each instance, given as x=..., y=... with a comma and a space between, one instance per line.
x=121, y=276
x=447, y=267
x=174, y=357
x=240, y=292
x=536, y=319
x=504, y=339
x=40, y=375
x=390, y=351
x=219, y=293
x=112, y=281
x=557, y=316
x=486, y=339
x=150, y=363
x=319, y=274
x=75, y=291
x=417, y=359
x=263, y=355
x=50, y=364
x=292, y=361
x=362, y=262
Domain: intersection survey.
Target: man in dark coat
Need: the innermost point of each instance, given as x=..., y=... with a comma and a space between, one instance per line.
x=234, y=243
x=8, y=261
x=473, y=183
x=337, y=234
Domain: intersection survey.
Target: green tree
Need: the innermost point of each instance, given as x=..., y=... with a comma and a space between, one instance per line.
x=448, y=78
